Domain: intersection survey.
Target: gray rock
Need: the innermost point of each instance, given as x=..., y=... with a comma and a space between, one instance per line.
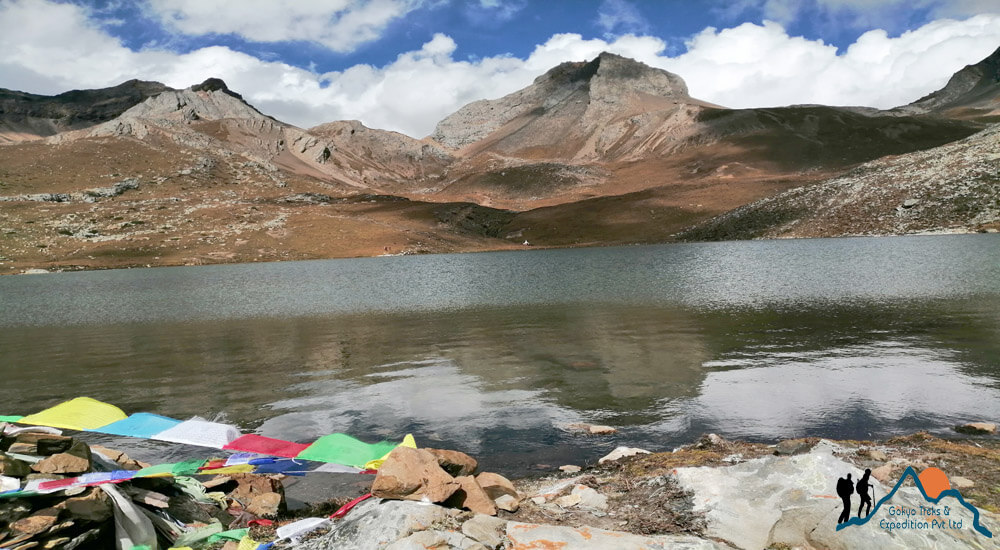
x=910, y=203
x=529, y=535
x=976, y=428
x=792, y=501
x=590, y=499
x=486, y=529
x=438, y=540
x=374, y=524
x=792, y=446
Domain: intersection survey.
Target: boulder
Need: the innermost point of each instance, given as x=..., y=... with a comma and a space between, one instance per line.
x=93, y=505
x=13, y=467
x=592, y=429
x=792, y=447
x=266, y=505
x=570, y=469
x=36, y=523
x=977, y=428
x=708, y=441
x=496, y=485
x=435, y=539
x=374, y=524
x=472, y=497
x=485, y=529
x=524, y=536
x=413, y=474
x=53, y=444
x=590, y=498
x=76, y=460
x=620, y=453
x=960, y=482
x=454, y=462
x=508, y=503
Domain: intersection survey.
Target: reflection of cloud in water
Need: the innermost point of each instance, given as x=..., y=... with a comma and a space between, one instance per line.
x=432, y=395
x=881, y=388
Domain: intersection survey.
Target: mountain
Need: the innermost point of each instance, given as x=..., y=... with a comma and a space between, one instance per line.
x=606, y=151
x=29, y=116
x=951, y=188
x=972, y=93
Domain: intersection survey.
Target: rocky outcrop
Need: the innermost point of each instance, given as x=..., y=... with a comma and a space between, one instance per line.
x=971, y=93
x=29, y=116
x=952, y=188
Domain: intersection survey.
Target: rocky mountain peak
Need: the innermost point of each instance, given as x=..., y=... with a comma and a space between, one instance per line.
x=215, y=85
x=975, y=89
x=601, y=86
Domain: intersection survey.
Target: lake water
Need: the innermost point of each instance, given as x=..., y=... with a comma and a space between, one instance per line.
x=495, y=353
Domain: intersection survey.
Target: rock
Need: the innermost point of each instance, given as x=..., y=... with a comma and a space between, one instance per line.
x=792, y=447
x=249, y=485
x=708, y=441
x=876, y=454
x=443, y=540
x=374, y=524
x=53, y=444
x=528, y=536
x=36, y=523
x=539, y=500
x=119, y=457
x=569, y=501
x=620, y=453
x=976, y=428
x=794, y=504
x=570, y=469
x=92, y=506
x=602, y=430
x=267, y=505
x=910, y=203
x=413, y=474
x=592, y=429
x=12, y=510
x=454, y=462
x=960, y=482
x=472, y=497
x=485, y=529
x=590, y=498
x=883, y=472
x=556, y=489
x=74, y=461
x=23, y=448
x=508, y=503
x=13, y=467
x=496, y=485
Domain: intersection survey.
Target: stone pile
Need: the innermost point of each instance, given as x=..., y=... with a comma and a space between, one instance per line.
x=443, y=477
x=172, y=510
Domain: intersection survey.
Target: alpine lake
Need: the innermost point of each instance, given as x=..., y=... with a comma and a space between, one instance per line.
x=495, y=354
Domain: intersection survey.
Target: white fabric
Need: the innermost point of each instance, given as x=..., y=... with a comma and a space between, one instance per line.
x=9, y=484
x=294, y=531
x=132, y=527
x=337, y=469
x=200, y=432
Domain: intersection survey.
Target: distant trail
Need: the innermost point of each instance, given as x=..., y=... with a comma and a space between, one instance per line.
x=949, y=493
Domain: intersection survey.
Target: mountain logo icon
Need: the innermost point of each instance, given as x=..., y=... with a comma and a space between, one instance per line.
x=933, y=485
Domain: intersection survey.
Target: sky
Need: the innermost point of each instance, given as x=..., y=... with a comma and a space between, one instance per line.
x=404, y=65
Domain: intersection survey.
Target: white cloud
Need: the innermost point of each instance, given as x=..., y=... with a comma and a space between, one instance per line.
x=857, y=13
x=50, y=47
x=341, y=25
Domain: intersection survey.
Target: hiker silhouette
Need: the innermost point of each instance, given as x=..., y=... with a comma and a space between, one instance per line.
x=845, y=488
x=862, y=488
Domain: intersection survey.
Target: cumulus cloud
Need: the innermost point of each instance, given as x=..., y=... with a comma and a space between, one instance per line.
x=340, y=25
x=52, y=47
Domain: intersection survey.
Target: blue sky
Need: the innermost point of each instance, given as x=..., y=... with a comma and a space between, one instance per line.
x=404, y=64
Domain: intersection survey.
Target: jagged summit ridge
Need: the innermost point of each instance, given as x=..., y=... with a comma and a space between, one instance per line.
x=608, y=80
x=975, y=87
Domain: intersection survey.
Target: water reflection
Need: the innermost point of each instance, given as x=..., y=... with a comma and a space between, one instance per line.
x=739, y=341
